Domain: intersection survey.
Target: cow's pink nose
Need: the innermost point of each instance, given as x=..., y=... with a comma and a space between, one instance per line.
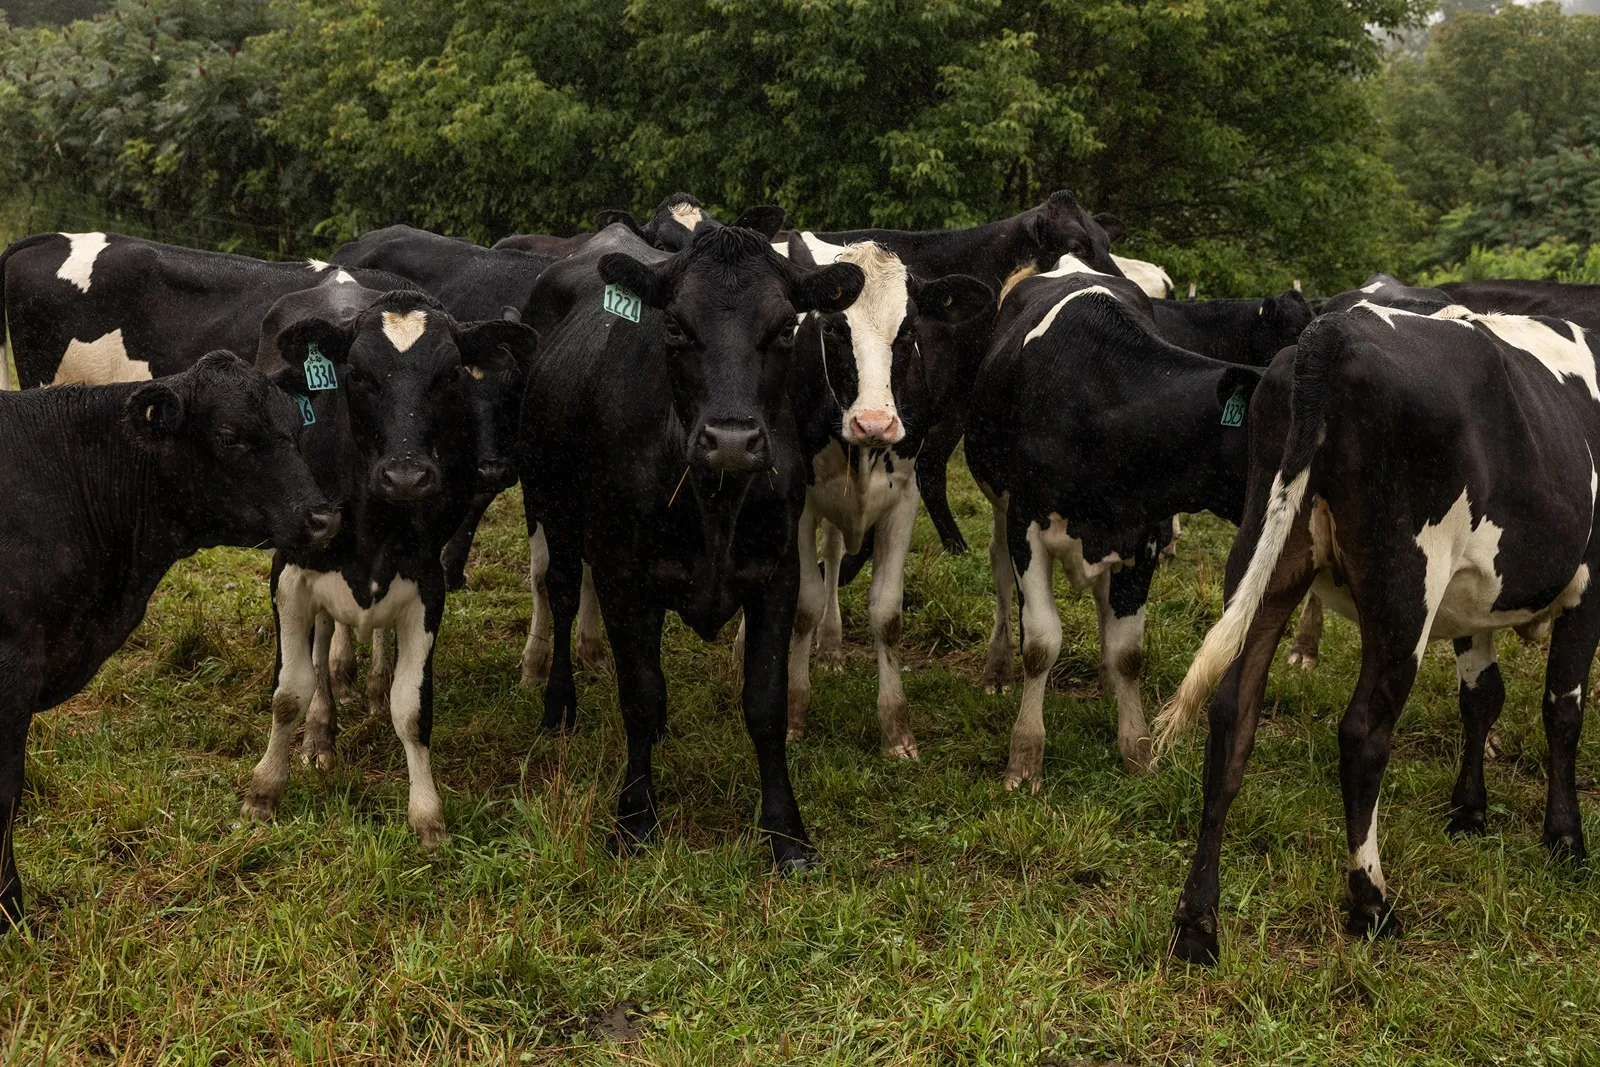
x=879, y=426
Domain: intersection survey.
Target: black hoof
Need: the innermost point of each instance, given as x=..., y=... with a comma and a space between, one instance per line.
x=1467, y=822
x=1373, y=922
x=1567, y=848
x=455, y=581
x=632, y=835
x=794, y=857
x=559, y=720
x=1195, y=941
x=956, y=546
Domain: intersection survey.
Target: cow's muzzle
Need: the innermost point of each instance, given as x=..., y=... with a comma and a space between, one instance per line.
x=407, y=480
x=738, y=445
x=875, y=429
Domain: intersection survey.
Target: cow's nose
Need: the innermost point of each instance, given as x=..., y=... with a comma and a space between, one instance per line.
x=408, y=481
x=322, y=526
x=733, y=446
x=875, y=428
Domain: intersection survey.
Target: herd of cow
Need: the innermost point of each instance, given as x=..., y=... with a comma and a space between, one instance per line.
x=691, y=405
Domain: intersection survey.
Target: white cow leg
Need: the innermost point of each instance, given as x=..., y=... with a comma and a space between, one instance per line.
x=297, y=682
x=536, y=653
x=380, y=674
x=1041, y=644
x=318, y=741
x=410, y=701
x=342, y=662
x=997, y=667
x=1121, y=661
x=885, y=608
x=591, y=648
x=808, y=611
x=830, y=634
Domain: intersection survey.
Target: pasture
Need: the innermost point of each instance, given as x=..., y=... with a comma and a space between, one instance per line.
x=953, y=922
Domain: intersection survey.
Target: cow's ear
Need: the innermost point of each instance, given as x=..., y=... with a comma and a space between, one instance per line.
x=832, y=288
x=799, y=251
x=510, y=314
x=1112, y=225
x=496, y=346
x=766, y=220
x=306, y=339
x=1236, y=386
x=154, y=412
x=611, y=216
x=619, y=268
x=955, y=298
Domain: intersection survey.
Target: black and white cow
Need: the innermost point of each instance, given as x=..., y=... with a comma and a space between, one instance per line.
x=1515, y=296
x=670, y=229
x=390, y=433
x=998, y=254
x=1087, y=432
x=659, y=446
x=1156, y=282
x=122, y=481
x=93, y=308
x=865, y=385
x=1235, y=331
x=1433, y=477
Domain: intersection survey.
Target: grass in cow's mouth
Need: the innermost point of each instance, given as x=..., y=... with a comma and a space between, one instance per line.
x=953, y=922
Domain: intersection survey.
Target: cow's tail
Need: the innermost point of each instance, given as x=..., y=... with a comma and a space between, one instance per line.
x=5, y=319
x=1317, y=351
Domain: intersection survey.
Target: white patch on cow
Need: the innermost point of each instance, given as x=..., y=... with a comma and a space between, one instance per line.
x=1027, y=270
x=1156, y=283
x=342, y=277
x=1122, y=647
x=687, y=215
x=318, y=265
x=83, y=250
x=423, y=810
x=1071, y=264
x=1373, y=288
x=875, y=319
x=328, y=591
x=855, y=498
x=1563, y=357
x=404, y=328
x=1471, y=664
x=99, y=362
x=1365, y=857
x=1576, y=694
x=1050, y=316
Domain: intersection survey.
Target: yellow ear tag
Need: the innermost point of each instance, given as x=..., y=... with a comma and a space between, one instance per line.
x=150, y=413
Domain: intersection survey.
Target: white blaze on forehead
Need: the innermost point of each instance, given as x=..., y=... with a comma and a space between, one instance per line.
x=1050, y=316
x=687, y=215
x=875, y=320
x=99, y=362
x=83, y=250
x=403, y=328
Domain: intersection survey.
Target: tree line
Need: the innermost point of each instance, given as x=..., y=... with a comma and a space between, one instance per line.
x=1244, y=142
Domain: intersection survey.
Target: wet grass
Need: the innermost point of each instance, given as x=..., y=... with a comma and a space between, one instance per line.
x=953, y=923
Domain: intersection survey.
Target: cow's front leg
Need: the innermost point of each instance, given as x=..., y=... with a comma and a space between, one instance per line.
x=769, y=623
x=1120, y=600
x=884, y=610
x=634, y=626
x=15, y=716
x=1566, y=687
x=318, y=742
x=813, y=601
x=295, y=612
x=830, y=634
x=411, y=705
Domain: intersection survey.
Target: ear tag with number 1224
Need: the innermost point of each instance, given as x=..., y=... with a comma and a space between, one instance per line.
x=319, y=371
x=622, y=303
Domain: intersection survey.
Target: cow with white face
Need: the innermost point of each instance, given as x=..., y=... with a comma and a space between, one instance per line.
x=865, y=385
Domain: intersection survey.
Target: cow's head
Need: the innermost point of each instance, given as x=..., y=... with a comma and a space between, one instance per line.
x=1060, y=227
x=728, y=308
x=403, y=366
x=680, y=216
x=493, y=382
x=887, y=359
x=1278, y=325
x=224, y=439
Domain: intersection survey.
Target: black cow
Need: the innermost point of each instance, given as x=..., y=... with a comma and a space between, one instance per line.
x=93, y=308
x=670, y=229
x=1087, y=432
x=1515, y=296
x=474, y=284
x=997, y=254
x=389, y=432
x=865, y=385
x=659, y=445
x=1431, y=477
x=1235, y=331
x=122, y=481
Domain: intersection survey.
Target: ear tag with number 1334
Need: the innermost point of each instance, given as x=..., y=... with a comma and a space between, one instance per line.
x=320, y=375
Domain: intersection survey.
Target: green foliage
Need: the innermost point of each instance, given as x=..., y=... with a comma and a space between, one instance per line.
x=1550, y=260
x=51, y=12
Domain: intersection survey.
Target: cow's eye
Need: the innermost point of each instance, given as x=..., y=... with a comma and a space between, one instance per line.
x=786, y=335
x=830, y=327
x=229, y=441
x=675, y=334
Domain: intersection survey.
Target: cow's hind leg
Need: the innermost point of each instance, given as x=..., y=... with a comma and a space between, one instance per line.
x=380, y=675
x=1566, y=687
x=1041, y=644
x=536, y=653
x=830, y=634
x=565, y=582
x=15, y=717
x=318, y=741
x=885, y=611
x=1307, y=635
x=1120, y=600
x=1482, y=693
x=807, y=615
x=342, y=663
x=997, y=667
x=591, y=642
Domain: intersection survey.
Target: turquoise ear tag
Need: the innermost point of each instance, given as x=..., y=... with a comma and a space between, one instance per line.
x=621, y=303
x=1233, y=410
x=320, y=375
x=307, y=416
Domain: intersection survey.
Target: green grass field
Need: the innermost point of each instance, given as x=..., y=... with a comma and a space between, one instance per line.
x=953, y=923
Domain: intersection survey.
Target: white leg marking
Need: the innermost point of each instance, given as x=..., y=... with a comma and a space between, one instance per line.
x=1121, y=658
x=424, y=812
x=1041, y=644
x=885, y=603
x=1365, y=858
x=99, y=362
x=591, y=645
x=1471, y=664
x=78, y=268
x=808, y=613
x=830, y=635
x=536, y=653
x=318, y=741
x=297, y=681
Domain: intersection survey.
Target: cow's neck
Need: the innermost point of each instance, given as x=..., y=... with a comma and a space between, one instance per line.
x=991, y=252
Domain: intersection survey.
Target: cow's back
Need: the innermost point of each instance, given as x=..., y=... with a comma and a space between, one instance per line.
x=1562, y=300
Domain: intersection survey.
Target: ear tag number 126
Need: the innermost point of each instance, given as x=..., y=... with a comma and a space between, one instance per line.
x=319, y=371
x=622, y=303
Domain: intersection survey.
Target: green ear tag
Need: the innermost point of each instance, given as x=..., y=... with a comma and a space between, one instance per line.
x=319, y=371
x=1233, y=410
x=621, y=303
x=307, y=416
